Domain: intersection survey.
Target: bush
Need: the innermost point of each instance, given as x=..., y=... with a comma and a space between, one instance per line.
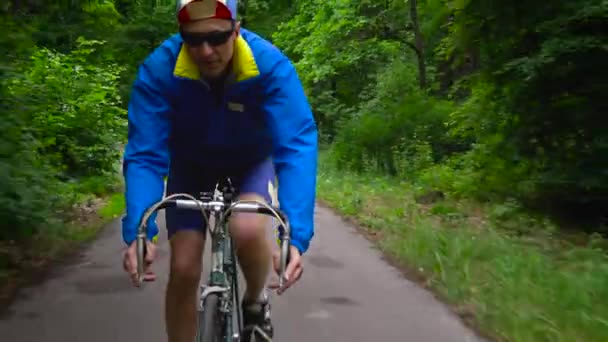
x=62, y=121
x=73, y=109
x=399, y=130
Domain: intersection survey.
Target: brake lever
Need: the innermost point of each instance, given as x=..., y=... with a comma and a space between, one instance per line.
x=285, y=255
x=141, y=257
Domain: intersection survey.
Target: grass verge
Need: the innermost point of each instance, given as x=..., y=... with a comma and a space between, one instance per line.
x=23, y=262
x=113, y=207
x=509, y=276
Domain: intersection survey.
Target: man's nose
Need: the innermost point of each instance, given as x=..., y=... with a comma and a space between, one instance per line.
x=205, y=49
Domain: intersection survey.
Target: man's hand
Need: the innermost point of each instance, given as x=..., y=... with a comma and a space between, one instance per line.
x=129, y=262
x=293, y=272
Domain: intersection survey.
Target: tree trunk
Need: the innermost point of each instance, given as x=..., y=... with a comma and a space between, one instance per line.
x=418, y=43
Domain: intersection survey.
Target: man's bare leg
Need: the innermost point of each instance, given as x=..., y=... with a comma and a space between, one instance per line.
x=252, y=248
x=185, y=271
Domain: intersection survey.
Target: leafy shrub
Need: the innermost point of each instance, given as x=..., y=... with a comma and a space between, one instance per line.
x=73, y=109
x=399, y=130
x=62, y=121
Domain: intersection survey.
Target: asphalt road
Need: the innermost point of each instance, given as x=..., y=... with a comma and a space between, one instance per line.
x=347, y=293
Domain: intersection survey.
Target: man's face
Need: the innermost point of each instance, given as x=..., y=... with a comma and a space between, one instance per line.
x=210, y=43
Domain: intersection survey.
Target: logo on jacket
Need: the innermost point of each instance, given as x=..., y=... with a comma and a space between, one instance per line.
x=236, y=107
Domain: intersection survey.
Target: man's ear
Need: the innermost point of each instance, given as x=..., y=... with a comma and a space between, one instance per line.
x=237, y=28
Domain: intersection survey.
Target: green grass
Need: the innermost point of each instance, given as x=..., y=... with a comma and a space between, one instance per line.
x=514, y=286
x=114, y=206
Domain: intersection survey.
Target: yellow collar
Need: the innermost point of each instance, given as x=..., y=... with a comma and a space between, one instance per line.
x=243, y=63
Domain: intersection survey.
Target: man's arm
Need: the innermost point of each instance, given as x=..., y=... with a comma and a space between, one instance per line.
x=294, y=135
x=146, y=158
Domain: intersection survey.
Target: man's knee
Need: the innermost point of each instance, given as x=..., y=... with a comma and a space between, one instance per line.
x=186, y=257
x=248, y=227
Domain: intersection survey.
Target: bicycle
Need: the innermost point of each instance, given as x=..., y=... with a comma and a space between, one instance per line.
x=219, y=298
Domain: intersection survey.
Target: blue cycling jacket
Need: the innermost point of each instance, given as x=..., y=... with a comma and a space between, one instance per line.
x=263, y=112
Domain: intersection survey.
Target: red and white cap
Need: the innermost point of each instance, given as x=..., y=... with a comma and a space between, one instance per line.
x=190, y=10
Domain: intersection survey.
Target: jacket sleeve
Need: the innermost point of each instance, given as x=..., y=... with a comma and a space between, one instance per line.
x=146, y=157
x=294, y=134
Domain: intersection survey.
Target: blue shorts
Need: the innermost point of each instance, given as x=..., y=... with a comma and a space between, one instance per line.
x=193, y=181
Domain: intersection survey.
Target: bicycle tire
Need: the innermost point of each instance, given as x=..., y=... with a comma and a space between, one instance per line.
x=210, y=329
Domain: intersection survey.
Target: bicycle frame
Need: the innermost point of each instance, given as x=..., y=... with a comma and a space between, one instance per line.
x=223, y=276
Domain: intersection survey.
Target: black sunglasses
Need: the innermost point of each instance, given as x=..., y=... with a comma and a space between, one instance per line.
x=215, y=38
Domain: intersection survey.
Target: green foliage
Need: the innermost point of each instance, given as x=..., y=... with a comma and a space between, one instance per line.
x=26, y=180
x=263, y=16
x=394, y=127
x=513, y=106
x=72, y=109
x=541, y=82
x=337, y=52
x=147, y=27
x=63, y=118
x=64, y=122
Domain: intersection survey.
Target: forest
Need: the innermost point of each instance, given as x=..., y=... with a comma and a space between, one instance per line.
x=431, y=114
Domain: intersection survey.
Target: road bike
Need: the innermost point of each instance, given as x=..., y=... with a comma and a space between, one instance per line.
x=219, y=302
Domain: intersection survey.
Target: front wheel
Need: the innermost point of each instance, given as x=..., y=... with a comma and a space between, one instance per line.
x=209, y=321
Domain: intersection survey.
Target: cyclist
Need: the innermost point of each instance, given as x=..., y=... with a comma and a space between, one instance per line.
x=218, y=100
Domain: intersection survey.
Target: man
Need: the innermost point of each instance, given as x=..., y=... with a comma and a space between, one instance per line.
x=218, y=100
